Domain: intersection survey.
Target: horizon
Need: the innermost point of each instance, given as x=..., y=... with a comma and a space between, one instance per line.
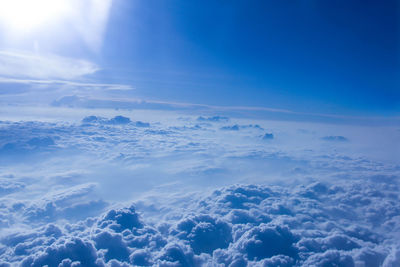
x=337, y=58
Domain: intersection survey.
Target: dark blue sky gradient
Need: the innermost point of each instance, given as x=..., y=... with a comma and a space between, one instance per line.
x=314, y=56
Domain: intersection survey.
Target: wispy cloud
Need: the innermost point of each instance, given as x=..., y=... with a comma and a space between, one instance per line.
x=43, y=66
x=128, y=102
x=107, y=86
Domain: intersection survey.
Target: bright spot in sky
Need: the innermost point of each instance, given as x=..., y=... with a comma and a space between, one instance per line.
x=27, y=22
x=21, y=16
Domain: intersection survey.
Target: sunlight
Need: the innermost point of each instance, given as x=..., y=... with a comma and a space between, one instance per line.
x=21, y=16
x=25, y=22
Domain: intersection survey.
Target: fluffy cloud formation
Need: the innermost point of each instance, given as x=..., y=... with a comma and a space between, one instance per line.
x=236, y=225
x=116, y=120
x=121, y=190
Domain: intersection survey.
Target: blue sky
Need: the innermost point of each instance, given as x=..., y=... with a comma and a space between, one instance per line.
x=338, y=57
x=299, y=55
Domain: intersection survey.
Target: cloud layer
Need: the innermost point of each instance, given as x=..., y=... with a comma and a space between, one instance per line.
x=313, y=225
x=176, y=190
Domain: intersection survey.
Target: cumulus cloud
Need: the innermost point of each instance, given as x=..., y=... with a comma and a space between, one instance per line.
x=335, y=138
x=213, y=119
x=268, y=136
x=207, y=234
x=204, y=233
x=100, y=120
x=231, y=128
x=115, y=190
x=117, y=120
x=237, y=127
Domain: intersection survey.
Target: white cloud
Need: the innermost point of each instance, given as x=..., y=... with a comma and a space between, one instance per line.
x=326, y=202
x=307, y=232
x=78, y=22
x=43, y=66
x=107, y=86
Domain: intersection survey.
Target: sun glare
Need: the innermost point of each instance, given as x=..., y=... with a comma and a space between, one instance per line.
x=21, y=16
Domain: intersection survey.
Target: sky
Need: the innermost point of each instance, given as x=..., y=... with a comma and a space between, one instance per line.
x=199, y=133
x=336, y=57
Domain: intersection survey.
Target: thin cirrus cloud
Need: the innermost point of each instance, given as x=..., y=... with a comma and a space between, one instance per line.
x=26, y=68
x=83, y=22
x=38, y=70
x=107, y=86
x=39, y=66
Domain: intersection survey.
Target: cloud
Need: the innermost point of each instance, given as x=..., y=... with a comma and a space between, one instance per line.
x=237, y=127
x=330, y=258
x=107, y=86
x=115, y=190
x=230, y=128
x=23, y=148
x=206, y=234
x=265, y=241
x=69, y=203
x=44, y=90
x=117, y=120
x=335, y=138
x=268, y=136
x=127, y=102
x=213, y=119
x=71, y=250
x=7, y=186
x=43, y=66
x=100, y=120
